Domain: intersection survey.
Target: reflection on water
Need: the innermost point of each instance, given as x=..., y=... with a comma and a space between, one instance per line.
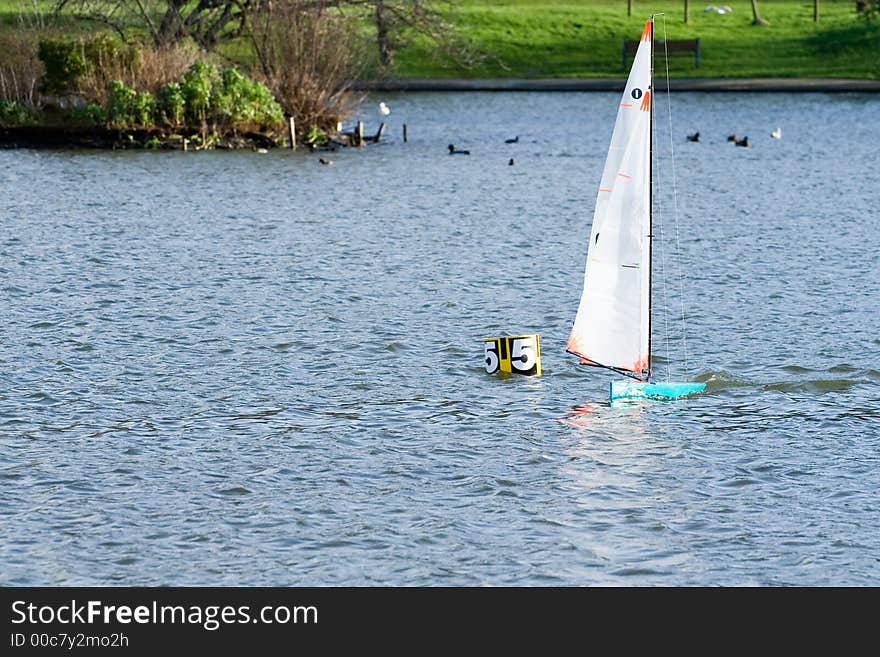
x=225, y=368
x=614, y=441
x=621, y=417
x=614, y=468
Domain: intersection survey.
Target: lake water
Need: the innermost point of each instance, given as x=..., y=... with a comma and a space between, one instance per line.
x=232, y=368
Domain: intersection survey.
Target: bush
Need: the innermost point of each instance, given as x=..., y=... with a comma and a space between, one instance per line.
x=228, y=100
x=309, y=55
x=104, y=50
x=315, y=136
x=85, y=66
x=143, y=108
x=13, y=113
x=128, y=108
x=65, y=64
x=204, y=97
x=229, y=104
x=243, y=103
x=90, y=115
x=196, y=86
x=265, y=111
x=121, y=106
x=171, y=105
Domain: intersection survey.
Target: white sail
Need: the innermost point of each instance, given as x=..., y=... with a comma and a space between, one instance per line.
x=612, y=326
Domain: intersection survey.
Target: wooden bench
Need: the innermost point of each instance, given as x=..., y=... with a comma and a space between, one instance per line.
x=681, y=45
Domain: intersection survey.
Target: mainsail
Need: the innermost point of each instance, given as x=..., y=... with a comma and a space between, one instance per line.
x=613, y=324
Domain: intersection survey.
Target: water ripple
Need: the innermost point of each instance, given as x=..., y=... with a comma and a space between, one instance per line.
x=271, y=374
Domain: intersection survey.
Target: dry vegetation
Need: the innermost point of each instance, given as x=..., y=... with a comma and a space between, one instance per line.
x=20, y=70
x=149, y=68
x=308, y=55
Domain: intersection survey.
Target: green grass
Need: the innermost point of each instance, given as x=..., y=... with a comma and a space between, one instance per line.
x=546, y=39
x=535, y=39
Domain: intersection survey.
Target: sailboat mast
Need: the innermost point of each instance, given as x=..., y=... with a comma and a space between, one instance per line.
x=650, y=196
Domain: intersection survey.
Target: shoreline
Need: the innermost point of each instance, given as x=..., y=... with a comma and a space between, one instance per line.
x=820, y=85
x=58, y=136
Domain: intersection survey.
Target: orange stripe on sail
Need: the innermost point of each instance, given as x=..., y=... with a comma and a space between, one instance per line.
x=641, y=365
x=626, y=104
x=623, y=175
x=602, y=189
x=646, y=33
x=574, y=349
x=646, y=102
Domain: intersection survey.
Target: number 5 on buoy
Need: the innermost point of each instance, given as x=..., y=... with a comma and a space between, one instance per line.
x=516, y=354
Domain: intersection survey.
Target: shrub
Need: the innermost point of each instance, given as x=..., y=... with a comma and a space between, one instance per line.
x=143, y=108
x=229, y=99
x=315, y=136
x=121, y=106
x=243, y=104
x=13, y=113
x=128, y=108
x=196, y=86
x=90, y=115
x=309, y=54
x=65, y=64
x=264, y=111
x=107, y=59
x=204, y=97
x=159, y=66
x=229, y=105
x=171, y=105
x=104, y=50
x=86, y=66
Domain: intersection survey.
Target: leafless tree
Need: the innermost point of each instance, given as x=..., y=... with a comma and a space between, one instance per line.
x=207, y=22
x=395, y=19
x=308, y=53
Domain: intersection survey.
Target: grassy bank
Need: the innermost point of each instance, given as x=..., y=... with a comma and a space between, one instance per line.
x=545, y=39
x=582, y=39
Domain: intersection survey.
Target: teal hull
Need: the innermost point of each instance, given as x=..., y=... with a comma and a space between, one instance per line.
x=644, y=390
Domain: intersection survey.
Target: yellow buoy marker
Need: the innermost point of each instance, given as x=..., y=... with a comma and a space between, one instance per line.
x=516, y=354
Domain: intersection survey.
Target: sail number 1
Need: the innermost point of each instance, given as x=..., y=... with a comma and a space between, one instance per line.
x=517, y=354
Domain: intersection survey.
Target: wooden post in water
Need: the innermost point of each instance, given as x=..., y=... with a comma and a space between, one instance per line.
x=185, y=144
x=359, y=133
x=379, y=133
x=404, y=133
x=291, y=125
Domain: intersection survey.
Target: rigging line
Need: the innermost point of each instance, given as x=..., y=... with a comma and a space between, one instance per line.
x=660, y=214
x=675, y=210
x=619, y=370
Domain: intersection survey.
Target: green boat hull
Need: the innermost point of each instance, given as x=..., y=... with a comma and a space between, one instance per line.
x=645, y=390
